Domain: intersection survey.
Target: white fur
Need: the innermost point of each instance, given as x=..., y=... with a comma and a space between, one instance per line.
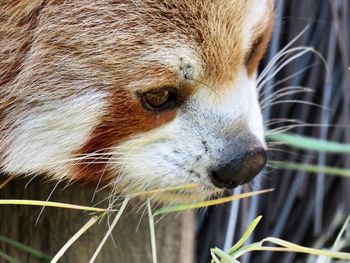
x=179, y=56
x=166, y=156
x=45, y=137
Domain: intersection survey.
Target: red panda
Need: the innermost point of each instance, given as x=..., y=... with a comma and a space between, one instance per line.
x=133, y=94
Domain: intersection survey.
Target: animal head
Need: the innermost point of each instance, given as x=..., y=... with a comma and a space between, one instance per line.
x=134, y=95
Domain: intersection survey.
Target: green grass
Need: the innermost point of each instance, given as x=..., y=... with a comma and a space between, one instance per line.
x=34, y=252
x=238, y=250
x=310, y=144
x=183, y=207
x=309, y=168
x=8, y=258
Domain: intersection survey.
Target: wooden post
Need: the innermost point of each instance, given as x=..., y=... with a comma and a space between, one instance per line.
x=174, y=233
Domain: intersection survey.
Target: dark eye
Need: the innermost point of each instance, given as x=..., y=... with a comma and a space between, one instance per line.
x=160, y=99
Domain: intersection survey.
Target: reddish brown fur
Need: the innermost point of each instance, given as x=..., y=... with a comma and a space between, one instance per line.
x=124, y=117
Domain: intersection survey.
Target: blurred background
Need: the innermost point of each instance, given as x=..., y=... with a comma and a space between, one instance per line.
x=305, y=90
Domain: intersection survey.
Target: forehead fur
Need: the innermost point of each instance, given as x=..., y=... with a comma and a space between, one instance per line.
x=219, y=32
x=115, y=37
x=211, y=29
x=108, y=44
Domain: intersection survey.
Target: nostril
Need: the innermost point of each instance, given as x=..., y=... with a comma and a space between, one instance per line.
x=239, y=170
x=218, y=181
x=254, y=162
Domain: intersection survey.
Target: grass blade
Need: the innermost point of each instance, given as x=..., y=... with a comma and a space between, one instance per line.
x=50, y=204
x=169, y=189
x=307, y=143
x=74, y=238
x=310, y=168
x=8, y=258
x=245, y=236
x=224, y=256
x=178, y=208
x=289, y=247
x=215, y=259
x=306, y=250
x=250, y=248
x=114, y=223
x=152, y=231
x=284, y=246
x=341, y=233
x=34, y=252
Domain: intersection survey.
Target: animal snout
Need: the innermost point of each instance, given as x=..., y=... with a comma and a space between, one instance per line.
x=240, y=169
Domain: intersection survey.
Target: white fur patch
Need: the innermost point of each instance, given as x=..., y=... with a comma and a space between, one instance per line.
x=178, y=58
x=45, y=136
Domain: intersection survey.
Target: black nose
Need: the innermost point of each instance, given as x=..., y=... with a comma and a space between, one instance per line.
x=240, y=169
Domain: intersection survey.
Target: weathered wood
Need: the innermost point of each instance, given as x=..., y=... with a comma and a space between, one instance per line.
x=174, y=232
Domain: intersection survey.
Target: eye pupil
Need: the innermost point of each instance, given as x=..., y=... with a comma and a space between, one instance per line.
x=159, y=100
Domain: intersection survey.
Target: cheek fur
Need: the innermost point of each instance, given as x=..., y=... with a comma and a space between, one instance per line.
x=124, y=118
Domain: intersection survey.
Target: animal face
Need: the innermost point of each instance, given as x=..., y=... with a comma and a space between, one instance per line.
x=135, y=95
